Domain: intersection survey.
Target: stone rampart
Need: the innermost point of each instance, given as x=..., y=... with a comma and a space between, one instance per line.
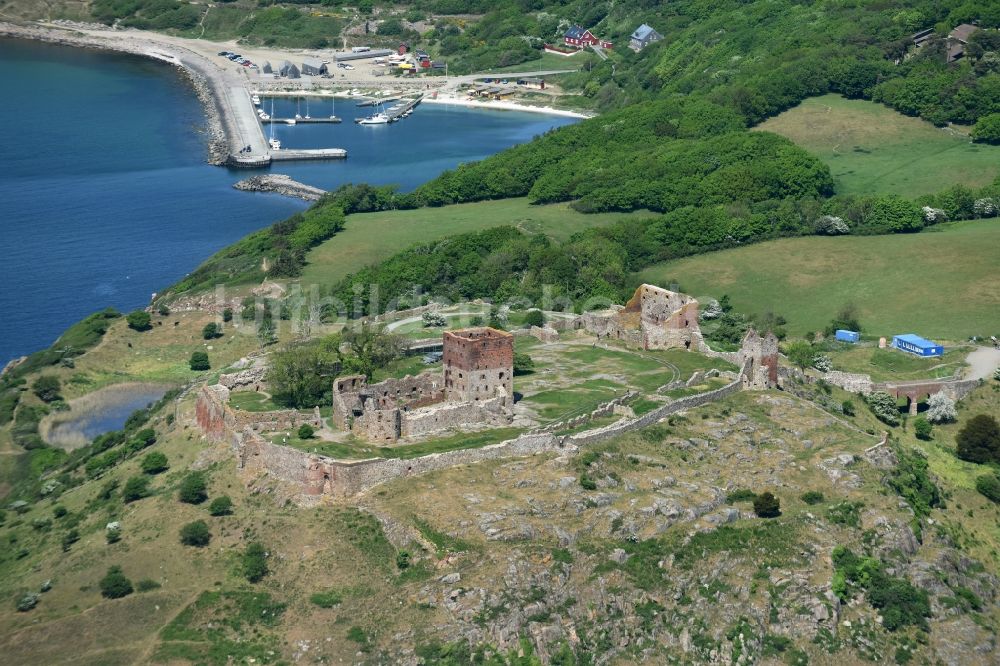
x=250, y=379
x=849, y=381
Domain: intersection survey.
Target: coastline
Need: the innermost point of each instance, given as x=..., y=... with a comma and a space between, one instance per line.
x=201, y=80
x=497, y=105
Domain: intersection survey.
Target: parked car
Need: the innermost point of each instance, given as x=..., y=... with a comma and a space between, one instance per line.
x=224, y=54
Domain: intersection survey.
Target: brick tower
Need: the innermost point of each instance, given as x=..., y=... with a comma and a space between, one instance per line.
x=478, y=365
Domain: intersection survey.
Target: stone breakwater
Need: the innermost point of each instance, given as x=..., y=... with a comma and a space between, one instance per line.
x=280, y=184
x=197, y=71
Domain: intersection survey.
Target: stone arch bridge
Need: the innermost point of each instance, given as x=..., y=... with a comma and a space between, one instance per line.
x=917, y=389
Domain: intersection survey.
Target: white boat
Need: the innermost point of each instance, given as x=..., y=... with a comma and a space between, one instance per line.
x=265, y=116
x=256, y=100
x=275, y=144
x=290, y=121
x=307, y=109
x=377, y=119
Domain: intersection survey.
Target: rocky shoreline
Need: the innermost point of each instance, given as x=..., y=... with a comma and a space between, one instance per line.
x=280, y=184
x=67, y=34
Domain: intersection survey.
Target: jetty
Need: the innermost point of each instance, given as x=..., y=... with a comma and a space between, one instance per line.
x=280, y=184
x=299, y=121
x=288, y=155
x=396, y=112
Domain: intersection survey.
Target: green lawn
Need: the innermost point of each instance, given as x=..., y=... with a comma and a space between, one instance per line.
x=250, y=401
x=891, y=364
x=870, y=148
x=372, y=237
x=942, y=284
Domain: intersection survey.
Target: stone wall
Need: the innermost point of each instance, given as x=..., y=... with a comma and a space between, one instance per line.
x=604, y=409
x=849, y=381
x=653, y=318
x=249, y=379
x=453, y=415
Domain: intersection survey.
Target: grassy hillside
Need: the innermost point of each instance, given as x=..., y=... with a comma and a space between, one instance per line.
x=872, y=149
x=368, y=238
x=938, y=284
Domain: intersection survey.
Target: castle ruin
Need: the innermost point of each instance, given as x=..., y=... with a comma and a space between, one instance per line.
x=475, y=387
x=654, y=318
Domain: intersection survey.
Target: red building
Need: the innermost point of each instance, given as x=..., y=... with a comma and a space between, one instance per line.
x=579, y=38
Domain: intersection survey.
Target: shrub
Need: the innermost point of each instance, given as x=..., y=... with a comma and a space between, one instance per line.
x=847, y=407
x=812, y=497
x=195, y=534
x=911, y=480
x=27, y=602
x=254, y=562
x=47, y=388
x=433, y=319
x=822, y=363
x=221, y=506
x=135, y=488
x=227, y=315
x=306, y=431
x=587, y=483
x=115, y=585
x=326, y=599
x=403, y=560
x=69, y=539
x=154, y=463
x=922, y=428
x=845, y=513
x=59, y=511
x=192, y=489
x=210, y=331
x=534, y=318
x=138, y=320
x=199, y=361
x=766, y=505
x=741, y=495
x=113, y=532
x=987, y=129
x=147, y=584
x=979, y=440
x=988, y=486
x=163, y=309
x=941, y=409
x=884, y=407
x=523, y=364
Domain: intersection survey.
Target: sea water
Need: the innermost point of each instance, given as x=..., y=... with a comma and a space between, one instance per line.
x=105, y=197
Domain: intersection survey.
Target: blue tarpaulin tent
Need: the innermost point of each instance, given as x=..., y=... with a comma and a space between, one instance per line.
x=847, y=336
x=915, y=344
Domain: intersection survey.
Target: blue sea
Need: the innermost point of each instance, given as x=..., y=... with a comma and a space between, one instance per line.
x=105, y=196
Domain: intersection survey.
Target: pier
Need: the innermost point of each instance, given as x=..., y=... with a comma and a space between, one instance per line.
x=299, y=121
x=287, y=155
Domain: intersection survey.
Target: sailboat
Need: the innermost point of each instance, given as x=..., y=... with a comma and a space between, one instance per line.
x=298, y=108
x=333, y=108
x=307, y=109
x=274, y=143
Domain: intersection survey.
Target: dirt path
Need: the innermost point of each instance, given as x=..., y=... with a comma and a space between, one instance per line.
x=983, y=361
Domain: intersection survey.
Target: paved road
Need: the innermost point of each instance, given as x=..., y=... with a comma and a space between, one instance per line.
x=982, y=362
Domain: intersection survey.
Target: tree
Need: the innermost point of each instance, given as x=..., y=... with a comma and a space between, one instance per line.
x=306, y=431
x=254, y=562
x=195, y=534
x=800, y=353
x=979, y=440
x=941, y=409
x=210, y=331
x=534, y=318
x=138, y=320
x=47, y=388
x=135, y=488
x=199, y=361
x=300, y=375
x=988, y=486
x=115, y=585
x=766, y=505
x=221, y=506
x=922, y=428
x=192, y=489
x=884, y=407
x=523, y=364
x=154, y=463
x=894, y=214
x=987, y=129
x=370, y=348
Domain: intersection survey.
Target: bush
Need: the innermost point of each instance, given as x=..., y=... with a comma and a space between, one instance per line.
x=433, y=319
x=884, y=407
x=113, y=532
x=812, y=497
x=135, y=488
x=58, y=511
x=987, y=129
x=523, y=364
x=534, y=318
x=138, y=320
x=27, y=602
x=979, y=440
x=254, y=562
x=154, y=463
x=587, y=483
x=403, y=560
x=227, y=315
x=210, y=331
x=115, y=585
x=147, y=584
x=941, y=409
x=221, y=506
x=196, y=534
x=306, y=431
x=845, y=513
x=69, y=539
x=199, y=361
x=766, y=505
x=47, y=388
x=741, y=495
x=193, y=490
x=847, y=407
x=922, y=428
x=326, y=599
x=988, y=486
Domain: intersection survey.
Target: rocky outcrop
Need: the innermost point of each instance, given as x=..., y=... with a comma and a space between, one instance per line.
x=280, y=184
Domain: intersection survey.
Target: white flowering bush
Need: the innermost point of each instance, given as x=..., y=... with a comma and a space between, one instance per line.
x=941, y=409
x=985, y=207
x=832, y=225
x=934, y=215
x=712, y=310
x=822, y=363
x=433, y=319
x=113, y=532
x=884, y=407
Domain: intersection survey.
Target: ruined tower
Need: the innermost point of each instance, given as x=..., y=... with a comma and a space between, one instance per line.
x=759, y=357
x=478, y=365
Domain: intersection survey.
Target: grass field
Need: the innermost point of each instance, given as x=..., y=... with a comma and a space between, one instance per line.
x=373, y=237
x=871, y=148
x=940, y=284
x=893, y=365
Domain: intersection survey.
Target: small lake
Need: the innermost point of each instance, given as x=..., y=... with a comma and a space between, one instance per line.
x=105, y=197
x=99, y=412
